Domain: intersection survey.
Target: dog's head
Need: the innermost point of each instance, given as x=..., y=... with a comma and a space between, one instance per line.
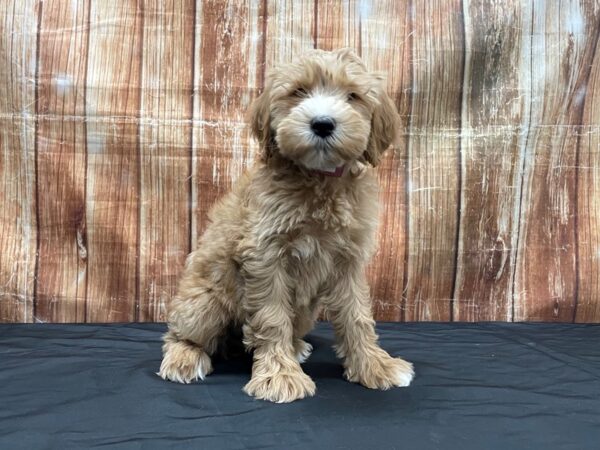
x=324, y=111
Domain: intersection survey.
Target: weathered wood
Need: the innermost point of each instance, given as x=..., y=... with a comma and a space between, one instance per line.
x=588, y=197
x=61, y=162
x=228, y=46
x=113, y=171
x=165, y=151
x=18, y=233
x=386, y=45
x=563, y=44
x=330, y=32
x=290, y=30
x=434, y=171
x=495, y=111
x=490, y=204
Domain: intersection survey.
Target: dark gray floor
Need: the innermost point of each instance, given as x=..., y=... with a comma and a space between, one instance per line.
x=488, y=386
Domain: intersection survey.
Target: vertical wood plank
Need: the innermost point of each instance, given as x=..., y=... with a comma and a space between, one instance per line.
x=228, y=45
x=386, y=46
x=434, y=176
x=588, y=195
x=337, y=25
x=113, y=101
x=330, y=33
x=61, y=162
x=495, y=113
x=379, y=32
x=18, y=234
x=165, y=150
x=564, y=39
x=290, y=30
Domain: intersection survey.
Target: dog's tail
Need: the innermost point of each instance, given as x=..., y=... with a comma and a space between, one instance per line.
x=183, y=361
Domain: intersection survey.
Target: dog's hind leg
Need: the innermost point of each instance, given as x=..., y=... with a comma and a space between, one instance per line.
x=197, y=320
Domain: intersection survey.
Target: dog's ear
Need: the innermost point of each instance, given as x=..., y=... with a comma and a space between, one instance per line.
x=259, y=117
x=384, y=125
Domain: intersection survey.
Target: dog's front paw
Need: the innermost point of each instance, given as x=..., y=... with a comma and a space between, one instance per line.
x=281, y=387
x=303, y=350
x=184, y=363
x=382, y=373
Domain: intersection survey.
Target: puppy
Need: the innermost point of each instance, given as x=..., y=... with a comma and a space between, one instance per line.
x=294, y=235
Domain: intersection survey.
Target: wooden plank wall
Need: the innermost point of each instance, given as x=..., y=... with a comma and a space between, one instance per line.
x=122, y=122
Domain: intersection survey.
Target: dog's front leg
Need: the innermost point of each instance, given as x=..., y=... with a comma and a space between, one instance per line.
x=269, y=331
x=349, y=307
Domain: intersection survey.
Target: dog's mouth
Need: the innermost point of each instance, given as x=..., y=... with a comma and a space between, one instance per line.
x=336, y=173
x=323, y=160
x=320, y=155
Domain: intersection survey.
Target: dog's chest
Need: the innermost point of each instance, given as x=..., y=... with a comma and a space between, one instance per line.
x=322, y=245
x=318, y=231
x=310, y=260
x=330, y=213
x=332, y=224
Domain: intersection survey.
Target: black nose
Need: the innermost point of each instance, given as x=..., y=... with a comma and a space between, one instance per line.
x=322, y=126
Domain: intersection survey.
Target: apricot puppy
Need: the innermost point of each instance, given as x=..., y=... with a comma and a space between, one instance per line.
x=294, y=235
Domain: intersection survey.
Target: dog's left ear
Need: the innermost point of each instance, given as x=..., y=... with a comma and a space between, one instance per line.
x=259, y=117
x=384, y=125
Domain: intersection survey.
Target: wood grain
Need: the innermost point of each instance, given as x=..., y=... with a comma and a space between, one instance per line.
x=495, y=111
x=18, y=224
x=588, y=196
x=563, y=44
x=289, y=31
x=165, y=151
x=122, y=123
x=227, y=55
x=380, y=33
x=330, y=31
x=61, y=162
x=433, y=160
x=113, y=181
x=386, y=45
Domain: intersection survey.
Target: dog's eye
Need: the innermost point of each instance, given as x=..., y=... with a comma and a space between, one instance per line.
x=300, y=92
x=352, y=96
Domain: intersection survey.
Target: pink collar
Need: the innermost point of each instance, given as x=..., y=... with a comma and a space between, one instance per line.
x=338, y=172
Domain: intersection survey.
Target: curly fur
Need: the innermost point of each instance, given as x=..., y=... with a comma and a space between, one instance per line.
x=289, y=239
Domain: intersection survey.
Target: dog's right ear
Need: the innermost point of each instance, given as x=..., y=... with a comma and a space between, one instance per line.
x=260, y=122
